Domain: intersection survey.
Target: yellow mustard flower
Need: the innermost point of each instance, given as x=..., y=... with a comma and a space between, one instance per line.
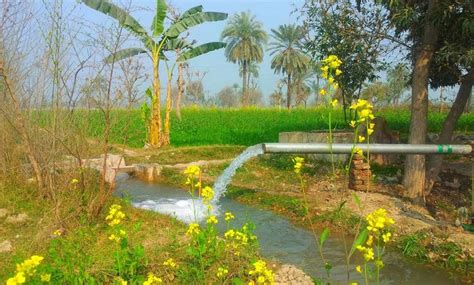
x=170, y=263
x=212, y=220
x=45, y=277
x=386, y=237
x=222, y=272
x=338, y=72
x=152, y=279
x=193, y=229
x=207, y=194
x=298, y=164
x=19, y=278
x=358, y=151
x=322, y=92
x=229, y=216
x=57, y=233
x=74, y=181
x=114, y=238
x=361, y=138
x=352, y=124
x=334, y=103
x=358, y=269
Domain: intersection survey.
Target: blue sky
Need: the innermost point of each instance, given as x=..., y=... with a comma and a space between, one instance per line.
x=221, y=73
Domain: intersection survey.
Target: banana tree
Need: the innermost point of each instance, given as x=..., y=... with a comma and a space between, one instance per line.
x=154, y=45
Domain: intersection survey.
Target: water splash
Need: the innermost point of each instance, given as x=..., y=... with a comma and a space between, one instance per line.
x=224, y=179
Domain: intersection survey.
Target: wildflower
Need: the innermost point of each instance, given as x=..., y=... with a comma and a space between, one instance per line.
x=322, y=92
x=57, y=233
x=45, y=277
x=192, y=170
x=358, y=151
x=370, y=131
x=229, y=216
x=378, y=220
x=170, y=263
x=193, y=229
x=74, y=181
x=338, y=72
x=352, y=124
x=386, y=237
x=115, y=238
x=152, y=279
x=370, y=240
x=229, y=234
x=379, y=263
x=298, y=164
x=330, y=80
x=115, y=215
x=358, y=269
x=371, y=125
x=207, y=194
x=212, y=220
x=19, y=278
x=122, y=233
x=262, y=274
x=335, y=85
x=222, y=272
x=367, y=252
x=334, y=103
x=361, y=139
x=28, y=266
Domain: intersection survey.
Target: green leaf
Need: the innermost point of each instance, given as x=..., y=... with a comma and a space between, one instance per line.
x=193, y=20
x=125, y=53
x=124, y=19
x=199, y=50
x=157, y=26
x=191, y=11
x=356, y=199
x=360, y=240
x=323, y=237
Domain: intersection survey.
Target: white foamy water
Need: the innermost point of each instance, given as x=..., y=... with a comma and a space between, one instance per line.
x=184, y=210
x=224, y=179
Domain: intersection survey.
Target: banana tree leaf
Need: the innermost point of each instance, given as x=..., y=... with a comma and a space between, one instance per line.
x=124, y=19
x=124, y=53
x=191, y=11
x=177, y=43
x=157, y=26
x=199, y=50
x=193, y=20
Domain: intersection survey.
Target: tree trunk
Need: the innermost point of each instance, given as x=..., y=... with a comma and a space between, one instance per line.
x=288, y=92
x=180, y=90
x=414, y=179
x=155, y=122
x=244, y=84
x=166, y=133
x=456, y=111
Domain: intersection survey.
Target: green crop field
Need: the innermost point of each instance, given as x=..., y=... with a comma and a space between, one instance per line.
x=206, y=126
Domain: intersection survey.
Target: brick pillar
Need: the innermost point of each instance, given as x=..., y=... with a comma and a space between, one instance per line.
x=359, y=174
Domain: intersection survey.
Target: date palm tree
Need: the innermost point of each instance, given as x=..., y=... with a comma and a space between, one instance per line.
x=245, y=39
x=155, y=45
x=288, y=56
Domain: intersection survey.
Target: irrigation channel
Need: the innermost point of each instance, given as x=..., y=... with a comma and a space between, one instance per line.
x=278, y=238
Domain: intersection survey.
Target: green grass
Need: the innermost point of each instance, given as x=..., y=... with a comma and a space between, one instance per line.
x=209, y=126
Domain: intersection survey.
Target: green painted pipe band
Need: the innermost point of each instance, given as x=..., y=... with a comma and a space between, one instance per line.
x=450, y=148
x=440, y=148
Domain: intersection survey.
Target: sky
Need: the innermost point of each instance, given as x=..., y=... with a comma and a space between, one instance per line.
x=221, y=73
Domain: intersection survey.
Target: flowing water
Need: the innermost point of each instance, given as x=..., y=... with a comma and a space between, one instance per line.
x=278, y=238
x=224, y=179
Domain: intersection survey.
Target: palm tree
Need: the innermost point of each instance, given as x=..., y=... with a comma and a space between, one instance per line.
x=155, y=45
x=288, y=55
x=245, y=39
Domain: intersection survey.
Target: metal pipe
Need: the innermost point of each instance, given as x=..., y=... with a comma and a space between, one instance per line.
x=339, y=148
